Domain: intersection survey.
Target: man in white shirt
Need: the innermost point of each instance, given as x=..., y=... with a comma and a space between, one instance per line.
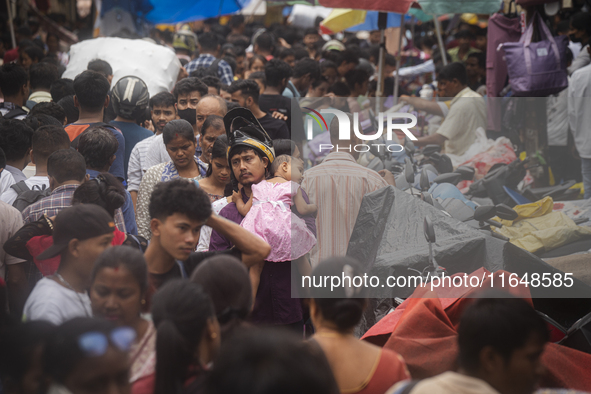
x=467, y=112
x=500, y=344
x=81, y=233
x=46, y=140
x=6, y=178
x=163, y=110
x=579, y=119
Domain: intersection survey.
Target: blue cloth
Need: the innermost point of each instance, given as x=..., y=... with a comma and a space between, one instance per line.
x=175, y=11
x=132, y=134
x=287, y=92
x=225, y=73
x=126, y=209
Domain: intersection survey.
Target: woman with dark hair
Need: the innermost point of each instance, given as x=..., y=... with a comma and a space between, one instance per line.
x=179, y=140
x=187, y=338
x=225, y=279
x=32, y=239
x=118, y=287
x=106, y=191
x=30, y=55
x=254, y=64
x=266, y=361
x=286, y=147
x=217, y=176
x=89, y=355
x=216, y=184
x=358, y=366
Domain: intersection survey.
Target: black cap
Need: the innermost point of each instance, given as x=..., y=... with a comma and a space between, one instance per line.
x=244, y=129
x=83, y=221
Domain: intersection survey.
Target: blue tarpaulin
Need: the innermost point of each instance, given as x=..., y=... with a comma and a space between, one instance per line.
x=175, y=11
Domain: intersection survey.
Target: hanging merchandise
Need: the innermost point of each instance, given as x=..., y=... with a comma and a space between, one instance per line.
x=501, y=29
x=537, y=69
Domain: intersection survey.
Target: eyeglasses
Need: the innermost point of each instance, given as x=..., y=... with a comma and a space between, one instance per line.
x=95, y=343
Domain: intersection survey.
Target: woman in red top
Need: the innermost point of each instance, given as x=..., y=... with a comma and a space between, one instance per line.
x=358, y=366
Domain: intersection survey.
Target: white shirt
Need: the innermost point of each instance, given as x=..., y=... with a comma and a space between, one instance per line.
x=581, y=60
x=6, y=180
x=579, y=116
x=205, y=234
x=157, y=152
x=557, y=115
x=54, y=303
x=136, y=167
x=467, y=112
x=39, y=181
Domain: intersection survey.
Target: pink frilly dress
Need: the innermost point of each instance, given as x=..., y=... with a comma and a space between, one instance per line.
x=271, y=219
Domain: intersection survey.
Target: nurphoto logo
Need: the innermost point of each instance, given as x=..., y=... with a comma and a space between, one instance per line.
x=345, y=129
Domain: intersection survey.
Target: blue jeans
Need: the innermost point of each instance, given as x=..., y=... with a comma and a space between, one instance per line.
x=586, y=171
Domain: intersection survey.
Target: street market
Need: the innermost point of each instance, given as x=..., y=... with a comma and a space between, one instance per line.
x=295, y=196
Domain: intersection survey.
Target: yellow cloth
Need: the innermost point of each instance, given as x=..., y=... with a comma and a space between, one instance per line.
x=545, y=232
x=343, y=18
x=531, y=210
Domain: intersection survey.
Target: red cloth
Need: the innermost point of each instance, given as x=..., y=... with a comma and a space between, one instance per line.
x=37, y=245
x=144, y=385
x=424, y=333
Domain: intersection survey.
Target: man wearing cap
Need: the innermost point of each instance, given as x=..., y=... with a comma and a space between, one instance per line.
x=80, y=234
x=249, y=156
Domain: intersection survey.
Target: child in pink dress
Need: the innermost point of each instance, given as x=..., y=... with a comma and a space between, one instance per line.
x=268, y=214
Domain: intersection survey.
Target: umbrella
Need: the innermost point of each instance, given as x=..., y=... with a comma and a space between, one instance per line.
x=176, y=11
x=355, y=20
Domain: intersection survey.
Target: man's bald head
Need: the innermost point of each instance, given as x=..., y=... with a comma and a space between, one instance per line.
x=210, y=105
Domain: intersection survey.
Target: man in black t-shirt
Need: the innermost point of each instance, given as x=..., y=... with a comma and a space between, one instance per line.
x=179, y=209
x=277, y=74
x=246, y=94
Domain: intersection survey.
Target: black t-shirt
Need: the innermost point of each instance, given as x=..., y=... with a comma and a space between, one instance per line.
x=188, y=266
x=277, y=129
x=270, y=103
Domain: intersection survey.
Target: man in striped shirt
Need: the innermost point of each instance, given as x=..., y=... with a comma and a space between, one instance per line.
x=162, y=110
x=337, y=187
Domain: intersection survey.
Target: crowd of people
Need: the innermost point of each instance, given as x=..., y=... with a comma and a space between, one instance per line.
x=155, y=246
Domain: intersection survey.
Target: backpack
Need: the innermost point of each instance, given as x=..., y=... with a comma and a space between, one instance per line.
x=26, y=196
x=15, y=112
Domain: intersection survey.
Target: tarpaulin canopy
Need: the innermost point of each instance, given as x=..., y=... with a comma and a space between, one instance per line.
x=355, y=20
x=439, y=7
x=388, y=239
x=175, y=11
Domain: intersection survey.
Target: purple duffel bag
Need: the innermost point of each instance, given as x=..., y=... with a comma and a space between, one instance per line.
x=537, y=69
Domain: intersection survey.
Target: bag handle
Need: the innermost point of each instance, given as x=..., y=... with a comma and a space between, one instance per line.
x=546, y=35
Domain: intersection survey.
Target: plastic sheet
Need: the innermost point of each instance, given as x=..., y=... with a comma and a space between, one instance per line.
x=388, y=239
x=157, y=65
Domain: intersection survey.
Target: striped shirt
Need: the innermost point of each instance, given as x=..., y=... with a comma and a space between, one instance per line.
x=59, y=199
x=337, y=187
x=136, y=168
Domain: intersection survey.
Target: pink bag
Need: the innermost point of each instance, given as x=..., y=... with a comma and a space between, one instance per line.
x=537, y=69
